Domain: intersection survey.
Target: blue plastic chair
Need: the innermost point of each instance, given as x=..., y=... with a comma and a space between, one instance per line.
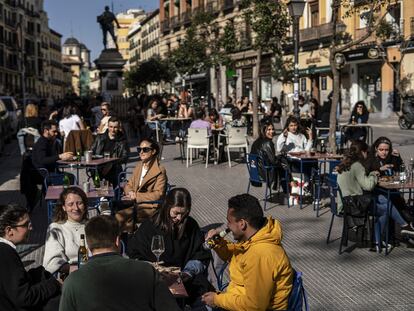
x=254, y=176
x=298, y=299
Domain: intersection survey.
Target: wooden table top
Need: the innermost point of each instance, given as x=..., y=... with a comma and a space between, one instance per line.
x=93, y=162
x=315, y=156
x=174, y=119
x=396, y=184
x=53, y=193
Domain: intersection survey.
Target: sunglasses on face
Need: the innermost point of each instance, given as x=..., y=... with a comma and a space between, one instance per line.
x=27, y=224
x=144, y=149
x=104, y=110
x=360, y=107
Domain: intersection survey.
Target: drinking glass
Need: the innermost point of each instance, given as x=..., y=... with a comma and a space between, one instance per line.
x=157, y=247
x=107, y=155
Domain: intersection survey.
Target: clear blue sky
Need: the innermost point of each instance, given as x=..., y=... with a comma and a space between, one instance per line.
x=79, y=16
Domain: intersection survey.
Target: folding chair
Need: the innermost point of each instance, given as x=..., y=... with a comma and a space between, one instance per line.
x=298, y=298
x=236, y=138
x=252, y=162
x=197, y=139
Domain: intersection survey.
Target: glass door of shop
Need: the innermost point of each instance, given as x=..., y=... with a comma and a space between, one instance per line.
x=369, y=80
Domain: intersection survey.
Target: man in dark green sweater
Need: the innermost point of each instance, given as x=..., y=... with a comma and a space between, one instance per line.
x=111, y=282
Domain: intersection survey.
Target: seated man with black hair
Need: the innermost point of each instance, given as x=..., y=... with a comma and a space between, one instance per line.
x=47, y=149
x=260, y=271
x=109, y=281
x=114, y=142
x=35, y=289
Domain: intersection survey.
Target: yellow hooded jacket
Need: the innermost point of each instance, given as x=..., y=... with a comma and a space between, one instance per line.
x=260, y=272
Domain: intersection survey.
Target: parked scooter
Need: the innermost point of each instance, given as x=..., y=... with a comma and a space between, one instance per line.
x=406, y=120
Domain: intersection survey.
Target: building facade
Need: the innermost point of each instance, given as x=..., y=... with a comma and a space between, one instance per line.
x=25, y=52
x=77, y=57
x=365, y=75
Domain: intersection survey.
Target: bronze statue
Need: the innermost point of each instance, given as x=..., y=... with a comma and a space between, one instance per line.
x=106, y=20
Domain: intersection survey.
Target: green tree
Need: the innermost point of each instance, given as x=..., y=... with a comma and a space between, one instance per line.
x=269, y=21
x=150, y=71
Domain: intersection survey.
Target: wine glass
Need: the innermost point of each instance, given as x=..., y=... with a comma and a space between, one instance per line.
x=157, y=247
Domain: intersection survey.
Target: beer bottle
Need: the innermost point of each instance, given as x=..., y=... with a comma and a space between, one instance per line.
x=212, y=242
x=97, y=180
x=66, y=181
x=82, y=252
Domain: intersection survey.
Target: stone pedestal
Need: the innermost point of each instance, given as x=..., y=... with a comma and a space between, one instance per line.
x=110, y=65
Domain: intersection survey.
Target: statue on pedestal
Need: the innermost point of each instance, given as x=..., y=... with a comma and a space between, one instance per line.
x=106, y=20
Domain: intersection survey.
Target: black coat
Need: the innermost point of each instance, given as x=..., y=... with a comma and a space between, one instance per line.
x=373, y=163
x=46, y=153
x=120, y=149
x=266, y=150
x=177, y=251
x=21, y=290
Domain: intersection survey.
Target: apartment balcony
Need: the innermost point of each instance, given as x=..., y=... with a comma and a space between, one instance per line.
x=212, y=7
x=316, y=33
x=186, y=18
x=11, y=3
x=175, y=22
x=412, y=26
x=45, y=45
x=55, y=47
x=227, y=5
x=165, y=26
x=10, y=22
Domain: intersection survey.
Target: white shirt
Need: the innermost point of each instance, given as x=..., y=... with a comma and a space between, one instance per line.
x=104, y=124
x=62, y=244
x=144, y=172
x=2, y=240
x=68, y=124
x=293, y=143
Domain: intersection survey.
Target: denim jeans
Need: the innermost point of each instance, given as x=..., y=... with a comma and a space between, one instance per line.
x=162, y=125
x=381, y=214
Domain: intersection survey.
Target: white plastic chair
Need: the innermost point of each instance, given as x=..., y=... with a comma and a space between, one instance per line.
x=236, y=138
x=197, y=139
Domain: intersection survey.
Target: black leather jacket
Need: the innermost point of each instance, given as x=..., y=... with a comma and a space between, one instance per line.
x=120, y=150
x=266, y=150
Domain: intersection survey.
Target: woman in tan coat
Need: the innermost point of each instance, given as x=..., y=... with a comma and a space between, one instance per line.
x=147, y=184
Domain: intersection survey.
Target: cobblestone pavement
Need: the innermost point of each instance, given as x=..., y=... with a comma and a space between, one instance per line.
x=356, y=280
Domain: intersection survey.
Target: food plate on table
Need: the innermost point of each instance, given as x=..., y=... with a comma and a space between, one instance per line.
x=97, y=156
x=295, y=154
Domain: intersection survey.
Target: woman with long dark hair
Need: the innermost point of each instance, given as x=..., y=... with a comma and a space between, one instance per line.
x=183, y=243
x=354, y=181
x=359, y=115
x=387, y=161
x=63, y=234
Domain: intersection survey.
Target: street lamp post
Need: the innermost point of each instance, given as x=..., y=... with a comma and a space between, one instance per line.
x=19, y=26
x=296, y=8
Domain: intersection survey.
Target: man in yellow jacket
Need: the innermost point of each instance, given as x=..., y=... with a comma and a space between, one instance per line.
x=260, y=271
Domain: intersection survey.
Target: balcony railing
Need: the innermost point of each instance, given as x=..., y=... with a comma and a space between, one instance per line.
x=175, y=22
x=412, y=26
x=186, y=17
x=165, y=25
x=10, y=22
x=45, y=45
x=316, y=33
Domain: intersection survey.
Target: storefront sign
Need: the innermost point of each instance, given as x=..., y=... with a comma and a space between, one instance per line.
x=361, y=54
x=313, y=60
x=315, y=70
x=246, y=62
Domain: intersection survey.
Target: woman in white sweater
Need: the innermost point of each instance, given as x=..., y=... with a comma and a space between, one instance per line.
x=63, y=234
x=292, y=140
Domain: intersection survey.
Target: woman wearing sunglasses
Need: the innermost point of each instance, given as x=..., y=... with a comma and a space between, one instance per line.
x=183, y=242
x=359, y=115
x=146, y=185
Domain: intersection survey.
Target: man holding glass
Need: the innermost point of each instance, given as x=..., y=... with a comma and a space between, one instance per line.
x=260, y=271
x=114, y=143
x=109, y=281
